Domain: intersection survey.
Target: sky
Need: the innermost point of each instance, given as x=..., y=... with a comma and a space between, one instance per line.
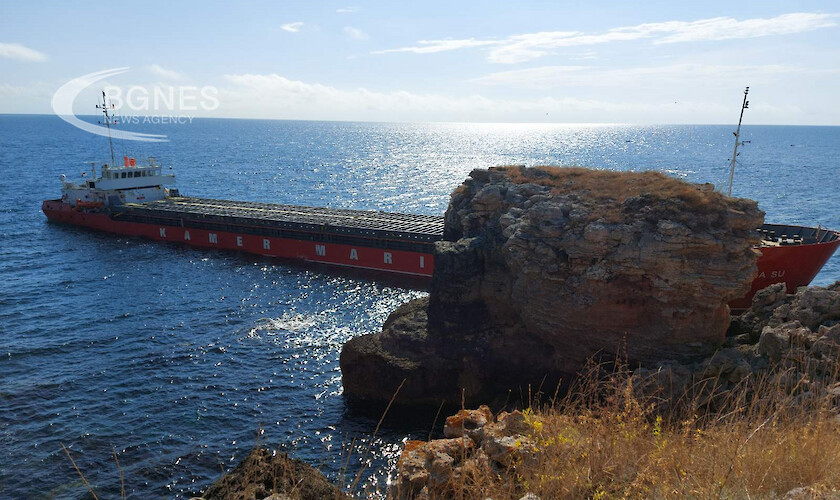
x=562, y=61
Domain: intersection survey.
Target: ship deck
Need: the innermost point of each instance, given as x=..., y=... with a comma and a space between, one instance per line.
x=784, y=235
x=421, y=228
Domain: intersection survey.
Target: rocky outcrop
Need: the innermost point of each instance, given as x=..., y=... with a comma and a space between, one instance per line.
x=269, y=475
x=543, y=268
x=794, y=366
x=476, y=445
x=811, y=306
x=788, y=343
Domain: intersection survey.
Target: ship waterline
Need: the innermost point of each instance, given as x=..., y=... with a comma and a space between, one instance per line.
x=394, y=243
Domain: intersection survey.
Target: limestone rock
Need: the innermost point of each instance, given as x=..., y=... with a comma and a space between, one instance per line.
x=812, y=493
x=432, y=466
x=468, y=423
x=543, y=268
x=812, y=306
x=374, y=365
x=803, y=332
x=437, y=468
x=798, y=351
x=269, y=474
x=753, y=320
x=510, y=451
x=766, y=301
x=775, y=342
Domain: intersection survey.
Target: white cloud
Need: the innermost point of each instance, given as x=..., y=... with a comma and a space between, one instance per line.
x=21, y=53
x=540, y=78
x=34, y=97
x=583, y=56
x=273, y=96
x=552, y=77
x=530, y=46
x=347, y=10
x=162, y=72
x=281, y=97
x=355, y=33
x=12, y=90
x=292, y=27
x=726, y=28
x=702, y=99
x=432, y=46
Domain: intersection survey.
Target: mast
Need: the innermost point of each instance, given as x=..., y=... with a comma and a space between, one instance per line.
x=104, y=108
x=737, y=133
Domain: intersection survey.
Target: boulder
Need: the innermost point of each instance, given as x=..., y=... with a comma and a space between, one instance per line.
x=468, y=423
x=433, y=466
x=812, y=493
x=811, y=306
x=750, y=323
x=438, y=468
x=774, y=342
x=267, y=474
x=543, y=268
x=797, y=350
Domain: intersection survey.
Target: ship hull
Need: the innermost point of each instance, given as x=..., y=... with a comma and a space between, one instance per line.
x=354, y=256
x=795, y=265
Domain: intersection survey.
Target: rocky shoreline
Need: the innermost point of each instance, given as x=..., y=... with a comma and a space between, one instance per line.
x=790, y=342
x=611, y=290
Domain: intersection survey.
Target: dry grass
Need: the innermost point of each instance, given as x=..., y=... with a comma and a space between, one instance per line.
x=603, y=441
x=609, y=187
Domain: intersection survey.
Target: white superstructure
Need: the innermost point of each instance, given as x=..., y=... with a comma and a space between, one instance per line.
x=130, y=183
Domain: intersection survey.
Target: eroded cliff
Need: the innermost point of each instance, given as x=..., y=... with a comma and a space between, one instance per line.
x=543, y=268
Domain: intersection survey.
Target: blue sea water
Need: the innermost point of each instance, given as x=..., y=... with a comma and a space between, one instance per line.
x=178, y=359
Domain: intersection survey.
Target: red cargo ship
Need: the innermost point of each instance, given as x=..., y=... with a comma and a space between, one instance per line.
x=397, y=243
x=133, y=200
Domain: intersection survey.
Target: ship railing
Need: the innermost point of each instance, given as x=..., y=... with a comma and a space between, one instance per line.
x=377, y=241
x=796, y=235
x=410, y=230
x=331, y=220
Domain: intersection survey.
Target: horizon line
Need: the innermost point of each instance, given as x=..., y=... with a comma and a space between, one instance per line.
x=580, y=124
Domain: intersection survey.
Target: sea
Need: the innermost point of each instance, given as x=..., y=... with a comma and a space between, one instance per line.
x=158, y=366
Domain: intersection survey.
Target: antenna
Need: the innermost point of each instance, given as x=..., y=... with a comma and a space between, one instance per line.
x=737, y=133
x=104, y=107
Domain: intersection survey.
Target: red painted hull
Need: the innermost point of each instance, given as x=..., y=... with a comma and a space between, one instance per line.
x=392, y=261
x=795, y=265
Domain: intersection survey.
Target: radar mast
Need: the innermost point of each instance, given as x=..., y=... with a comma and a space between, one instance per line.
x=737, y=133
x=108, y=117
